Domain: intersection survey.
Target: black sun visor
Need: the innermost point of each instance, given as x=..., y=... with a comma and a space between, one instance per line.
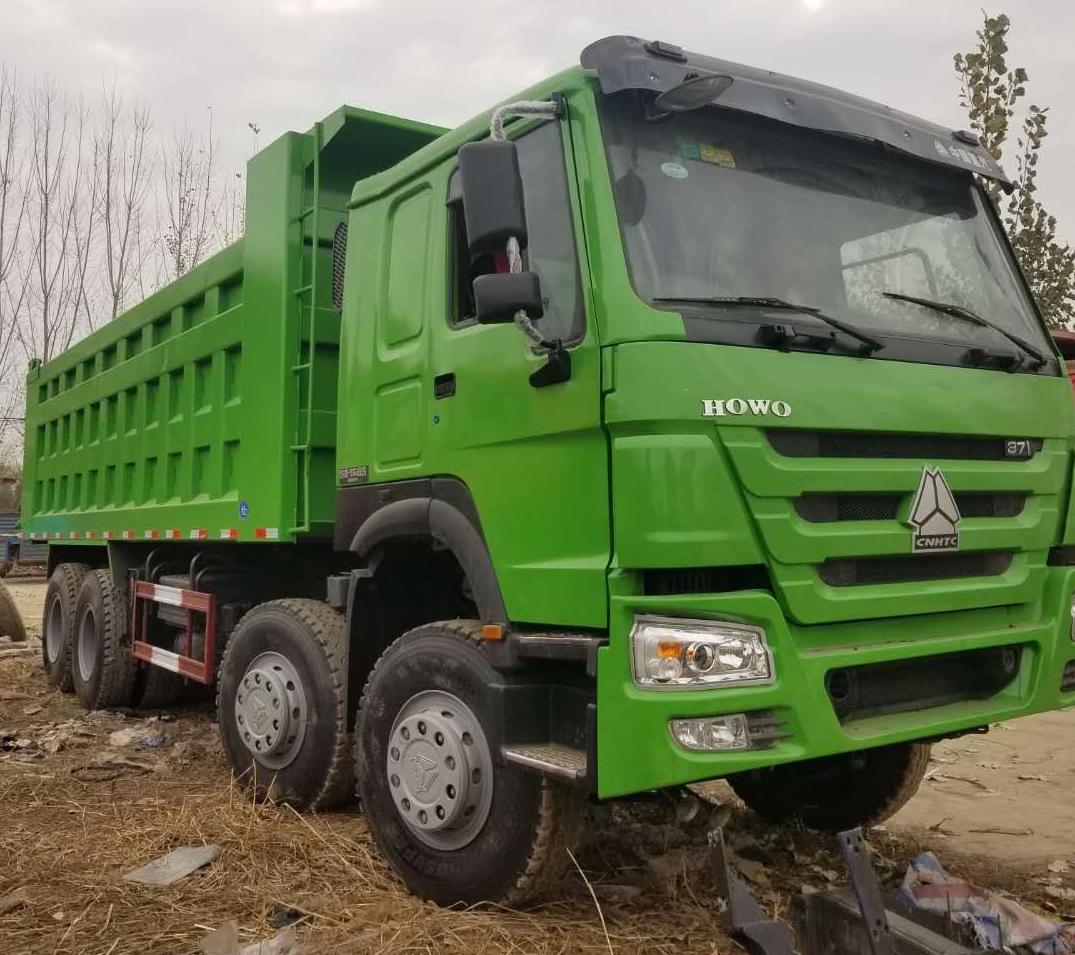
x=630, y=63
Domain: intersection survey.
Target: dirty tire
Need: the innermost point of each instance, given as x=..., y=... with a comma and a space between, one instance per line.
x=157, y=688
x=11, y=624
x=102, y=666
x=520, y=853
x=312, y=637
x=836, y=792
x=58, y=621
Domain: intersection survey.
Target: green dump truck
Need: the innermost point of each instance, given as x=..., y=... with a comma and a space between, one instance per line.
x=676, y=420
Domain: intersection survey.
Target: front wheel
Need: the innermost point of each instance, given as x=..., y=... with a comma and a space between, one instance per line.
x=455, y=821
x=836, y=792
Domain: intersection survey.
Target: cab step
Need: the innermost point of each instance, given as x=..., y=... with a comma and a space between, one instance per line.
x=552, y=759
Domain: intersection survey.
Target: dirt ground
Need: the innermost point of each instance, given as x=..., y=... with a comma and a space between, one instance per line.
x=87, y=797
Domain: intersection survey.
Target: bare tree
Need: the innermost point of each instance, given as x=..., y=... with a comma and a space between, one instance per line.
x=60, y=196
x=122, y=176
x=12, y=210
x=231, y=215
x=191, y=203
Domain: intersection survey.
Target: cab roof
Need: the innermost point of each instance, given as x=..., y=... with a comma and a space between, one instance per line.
x=631, y=63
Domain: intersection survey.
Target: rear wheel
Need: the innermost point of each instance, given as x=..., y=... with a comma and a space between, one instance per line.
x=282, y=704
x=428, y=763
x=101, y=662
x=157, y=688
x=836, y=792
x=11, y=624
x=58, y=623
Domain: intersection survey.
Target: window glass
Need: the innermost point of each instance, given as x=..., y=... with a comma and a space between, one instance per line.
x=717, y=206
x=551, y=249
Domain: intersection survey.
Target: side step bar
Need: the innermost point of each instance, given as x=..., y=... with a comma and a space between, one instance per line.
x=552, y=759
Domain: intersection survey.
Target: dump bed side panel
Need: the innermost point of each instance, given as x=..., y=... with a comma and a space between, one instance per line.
x=138, y=430
x=208, y=411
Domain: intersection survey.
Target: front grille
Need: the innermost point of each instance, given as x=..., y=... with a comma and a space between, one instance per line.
x=665, y=581
x=1067, y=679
x=934, y=447
x=879, y=688
x=835, y=508
x=909, y=568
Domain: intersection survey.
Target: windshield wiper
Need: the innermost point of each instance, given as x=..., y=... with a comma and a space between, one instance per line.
x=958, y=311
x=756, y=301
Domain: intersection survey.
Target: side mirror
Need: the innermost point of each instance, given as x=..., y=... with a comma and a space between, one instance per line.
x=498, y=297
x=492, y=195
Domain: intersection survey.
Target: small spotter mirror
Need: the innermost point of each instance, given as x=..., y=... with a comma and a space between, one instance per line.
x=694, y=93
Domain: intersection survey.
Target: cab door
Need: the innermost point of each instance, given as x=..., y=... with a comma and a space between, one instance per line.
x=534, y=459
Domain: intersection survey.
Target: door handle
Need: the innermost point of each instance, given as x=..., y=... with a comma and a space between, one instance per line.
x=444, y=385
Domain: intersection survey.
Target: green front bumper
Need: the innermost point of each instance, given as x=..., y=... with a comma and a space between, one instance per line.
x=635, y=751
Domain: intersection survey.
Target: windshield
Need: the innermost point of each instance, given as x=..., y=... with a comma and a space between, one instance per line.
x=716, y=204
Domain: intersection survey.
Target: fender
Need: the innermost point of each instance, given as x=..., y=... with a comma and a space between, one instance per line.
x=442, y=509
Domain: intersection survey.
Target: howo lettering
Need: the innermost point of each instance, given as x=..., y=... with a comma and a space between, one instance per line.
x=573, y=454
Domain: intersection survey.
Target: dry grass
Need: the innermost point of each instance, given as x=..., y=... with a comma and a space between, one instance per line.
x=70, y=838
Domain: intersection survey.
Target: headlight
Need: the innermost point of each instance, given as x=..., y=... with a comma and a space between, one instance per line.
x=712, y=733
x=671, y=653
x=1073, y=618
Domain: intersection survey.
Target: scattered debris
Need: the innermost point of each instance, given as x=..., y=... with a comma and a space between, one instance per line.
x=617, y=893
x=935, y=776
x=1032, y=777
x=32, y=710
x=1059, y=892
x=1001, y=831
x=13, y=900
x=998, y=922
x=225, y=941
x=1058, y=865
x=123, y=737
x=176, y=865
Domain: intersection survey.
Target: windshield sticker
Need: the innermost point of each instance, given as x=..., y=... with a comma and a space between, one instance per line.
x=717, y=156
x=688, y=148
x=674, y=170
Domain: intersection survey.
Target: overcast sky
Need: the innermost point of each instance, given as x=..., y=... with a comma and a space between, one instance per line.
x=284, y=63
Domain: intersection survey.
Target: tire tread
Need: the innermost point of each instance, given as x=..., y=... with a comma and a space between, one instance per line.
x=68, y=579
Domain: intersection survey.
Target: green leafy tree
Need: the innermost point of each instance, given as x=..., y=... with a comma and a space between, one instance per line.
x=990, y=92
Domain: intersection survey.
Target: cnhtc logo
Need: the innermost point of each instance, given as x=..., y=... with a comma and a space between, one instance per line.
x=934, y=516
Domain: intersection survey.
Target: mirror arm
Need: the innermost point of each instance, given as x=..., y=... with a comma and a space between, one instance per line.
x=557, y=367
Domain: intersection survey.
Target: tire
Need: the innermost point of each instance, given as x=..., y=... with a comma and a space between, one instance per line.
x=517, y=853
x=836, y=792
x=58, y=624
x=11, y=624
x=307, y=764
x=157, y=688
x=102, y=666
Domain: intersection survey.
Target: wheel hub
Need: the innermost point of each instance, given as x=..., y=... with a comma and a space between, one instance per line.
x=440, y=773
x=88, y=640
x=54, y=631
x=270, y=710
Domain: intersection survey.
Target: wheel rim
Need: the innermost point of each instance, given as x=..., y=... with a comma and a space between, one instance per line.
x=54, y=630
x=270, y=710
x=88, y=643
x=439, y=770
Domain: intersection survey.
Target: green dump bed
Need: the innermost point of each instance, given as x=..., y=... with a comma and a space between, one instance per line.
x=208, y=411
